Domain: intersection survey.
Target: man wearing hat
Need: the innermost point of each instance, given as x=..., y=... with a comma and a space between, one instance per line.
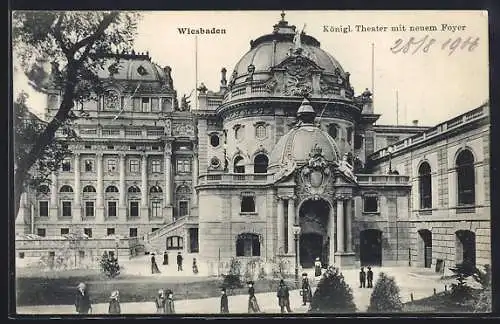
x=82, y=300
x=306, y=291
x=224, y=305
x=284, y=297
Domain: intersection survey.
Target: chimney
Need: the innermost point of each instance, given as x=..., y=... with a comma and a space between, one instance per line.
x=415, y=122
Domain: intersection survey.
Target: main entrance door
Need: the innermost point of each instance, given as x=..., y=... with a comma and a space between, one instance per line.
x=370, y=248
x=311, y=247
x=314, y=218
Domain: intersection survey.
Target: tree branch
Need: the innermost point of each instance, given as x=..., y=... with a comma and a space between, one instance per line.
x=58, y=35
x=89, y=41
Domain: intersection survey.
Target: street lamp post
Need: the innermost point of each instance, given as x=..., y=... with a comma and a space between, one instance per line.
x=296, y=232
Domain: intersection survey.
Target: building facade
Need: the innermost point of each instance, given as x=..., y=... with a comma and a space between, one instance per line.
x=283, y=161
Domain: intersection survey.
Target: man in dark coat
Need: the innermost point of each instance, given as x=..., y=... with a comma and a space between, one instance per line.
x=165, y=258
x=362, y=278
x=179, y=261
x=224, y=305
x=369, y=277
x=306, y=291
x=82, y=300
x=284, y=297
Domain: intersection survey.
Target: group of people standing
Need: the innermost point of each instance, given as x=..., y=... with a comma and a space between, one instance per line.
x=180, y=259
x=165, y=302
x=366, y=278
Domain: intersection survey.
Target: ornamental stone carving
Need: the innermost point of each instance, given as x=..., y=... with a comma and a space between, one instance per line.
x=183, y=130
x=298, y=75
x=316, y=174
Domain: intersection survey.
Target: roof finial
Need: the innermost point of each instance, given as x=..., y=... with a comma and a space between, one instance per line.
x=282, y=15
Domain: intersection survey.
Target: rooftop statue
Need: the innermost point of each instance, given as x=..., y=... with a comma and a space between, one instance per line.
x=185, y=103
x=346, y=168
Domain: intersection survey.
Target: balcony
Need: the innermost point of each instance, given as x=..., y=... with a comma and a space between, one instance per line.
x=383, y=180
x=234, y=178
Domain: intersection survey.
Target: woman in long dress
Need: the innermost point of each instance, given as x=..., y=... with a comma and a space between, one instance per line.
x=114, y=303
x=253, y=306
x=317, y=268
x=169, y=303
x=154, y=266
x=160, y=302
x=195, y=266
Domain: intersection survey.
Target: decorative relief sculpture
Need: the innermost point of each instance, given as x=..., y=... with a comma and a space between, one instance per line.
x=298, y=75
x=271, y=84
x=168, y=127
x=346, y=168
x=316, y=174
x=183, y=130
x=111, y=100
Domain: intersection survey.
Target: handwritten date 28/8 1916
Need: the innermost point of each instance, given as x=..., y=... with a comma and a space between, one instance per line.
x=414, y=45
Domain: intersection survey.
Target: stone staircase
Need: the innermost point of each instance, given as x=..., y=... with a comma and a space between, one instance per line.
x=155, y=241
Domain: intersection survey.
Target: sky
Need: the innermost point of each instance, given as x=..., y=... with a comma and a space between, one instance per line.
x=430, y=86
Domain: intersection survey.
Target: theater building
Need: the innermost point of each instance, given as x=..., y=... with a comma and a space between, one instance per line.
x=283, y=161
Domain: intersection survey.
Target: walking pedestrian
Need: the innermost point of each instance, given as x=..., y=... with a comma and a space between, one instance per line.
x=160, y=302
x=179, y=261
x=306, y=291
x=82, y=300
x=154, y=266
x=369, y=277
x=317, y=267
x=253, y=306
x=169, y=303
x=362, y=278
x=195, y=266
x=165, y=258
x=224, y=305
x=114, y=303
x=284, y=297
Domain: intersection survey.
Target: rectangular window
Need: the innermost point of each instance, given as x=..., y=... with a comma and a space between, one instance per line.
x=89, y=209
x=111, y=208
x=88, y=147
x=111, y=147
x=134, y=166
x=133, y=147
x=136, y=104
x=89, y=165
x=87, y=231
x=145, y=104
x=370, y=204
x=66, y=165
x=111, y=231
x=155, y=166
x=132, y=232
x=155, y=104
x=156, y=208
x=111, y=165
x=175, y=243
x=183, y=208
x=134, y=209
x=66, y=208
x=155, y=148
x=43, y=208
x=193, y=240
x=64, y=231
x=247, y=204
x=40, y=232
x=183, y=166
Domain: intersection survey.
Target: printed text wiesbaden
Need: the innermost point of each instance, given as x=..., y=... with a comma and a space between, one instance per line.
x=201, y=31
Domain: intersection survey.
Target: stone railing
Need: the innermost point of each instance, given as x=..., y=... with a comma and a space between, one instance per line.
x=232, y=178
x=382, y=179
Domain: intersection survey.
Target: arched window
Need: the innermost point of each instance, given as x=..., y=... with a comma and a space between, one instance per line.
x=214, y=140
x=248, y=244
x=260, y=131
x=260, y=163
x=88, y=189
x=239, y=165
x=44, y=189
x=155, y=189
x=425, y=185
x=466, y=179
x=111, y=189
x=134, y=189
x=66, y=188
x=333, y=131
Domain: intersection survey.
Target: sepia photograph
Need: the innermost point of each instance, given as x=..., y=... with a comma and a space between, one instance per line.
x=251, y=162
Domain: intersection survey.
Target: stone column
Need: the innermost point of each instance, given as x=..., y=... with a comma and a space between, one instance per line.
x=100, y=191
x=340, y=226
x=122, y=202
x=77, y=208
x=195, y=175
x=168, y=174
x=331, y=234
x=291, y=221
x=348, y=225
x=53, y=197
x=144, y=187
x=281, y=225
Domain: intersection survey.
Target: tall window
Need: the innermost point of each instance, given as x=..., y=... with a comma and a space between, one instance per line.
x=370, y=204
x=425, y=185
x=238, y=132
x=110, y=231
x=89, y=165
x=333, y=131
x=239, y=165
x=155, y=104
x=43, y=208
x=89, y=209
x=111, y=208
x=214, y=140
x=183, y=165
x=40, y=232
x=260, y=131
x=466, y=178
x=156, y=208
x=248, y=244
x=134, y=166
x=183, y=208
x=87, y=231
x=155, y=166
x=66, y=208
x=66, y=165
x=145, y=104
x=132, y=232
x=358, y=141
x=134, y=209
x=247, y=202
x=260, y=163
x=111, y=165
x=349, y=135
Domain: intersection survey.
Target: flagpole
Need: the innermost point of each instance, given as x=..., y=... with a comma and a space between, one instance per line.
x=397, y=108
x=196, y=71
x=373, y=70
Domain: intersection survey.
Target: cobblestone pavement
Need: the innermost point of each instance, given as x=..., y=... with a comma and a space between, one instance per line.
x=419, y=283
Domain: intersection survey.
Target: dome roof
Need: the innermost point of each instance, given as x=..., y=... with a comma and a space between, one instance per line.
x=299, y=142
x=269, y=50
x=133, y=67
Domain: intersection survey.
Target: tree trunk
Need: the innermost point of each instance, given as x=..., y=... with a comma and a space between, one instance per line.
x=22, y=170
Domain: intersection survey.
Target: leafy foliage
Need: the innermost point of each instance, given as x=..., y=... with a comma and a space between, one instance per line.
x=460, y=290
x=385, y=297
x=333, y=294
x=109, y=266
x=232, y=280
x=262, y=273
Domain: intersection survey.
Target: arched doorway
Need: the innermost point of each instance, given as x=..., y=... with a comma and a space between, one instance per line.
x=465, y=248
x=425, y=247
x=370, y=248
x=314, y=222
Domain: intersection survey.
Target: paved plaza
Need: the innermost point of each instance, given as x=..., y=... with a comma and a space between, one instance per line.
x=419, y=282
